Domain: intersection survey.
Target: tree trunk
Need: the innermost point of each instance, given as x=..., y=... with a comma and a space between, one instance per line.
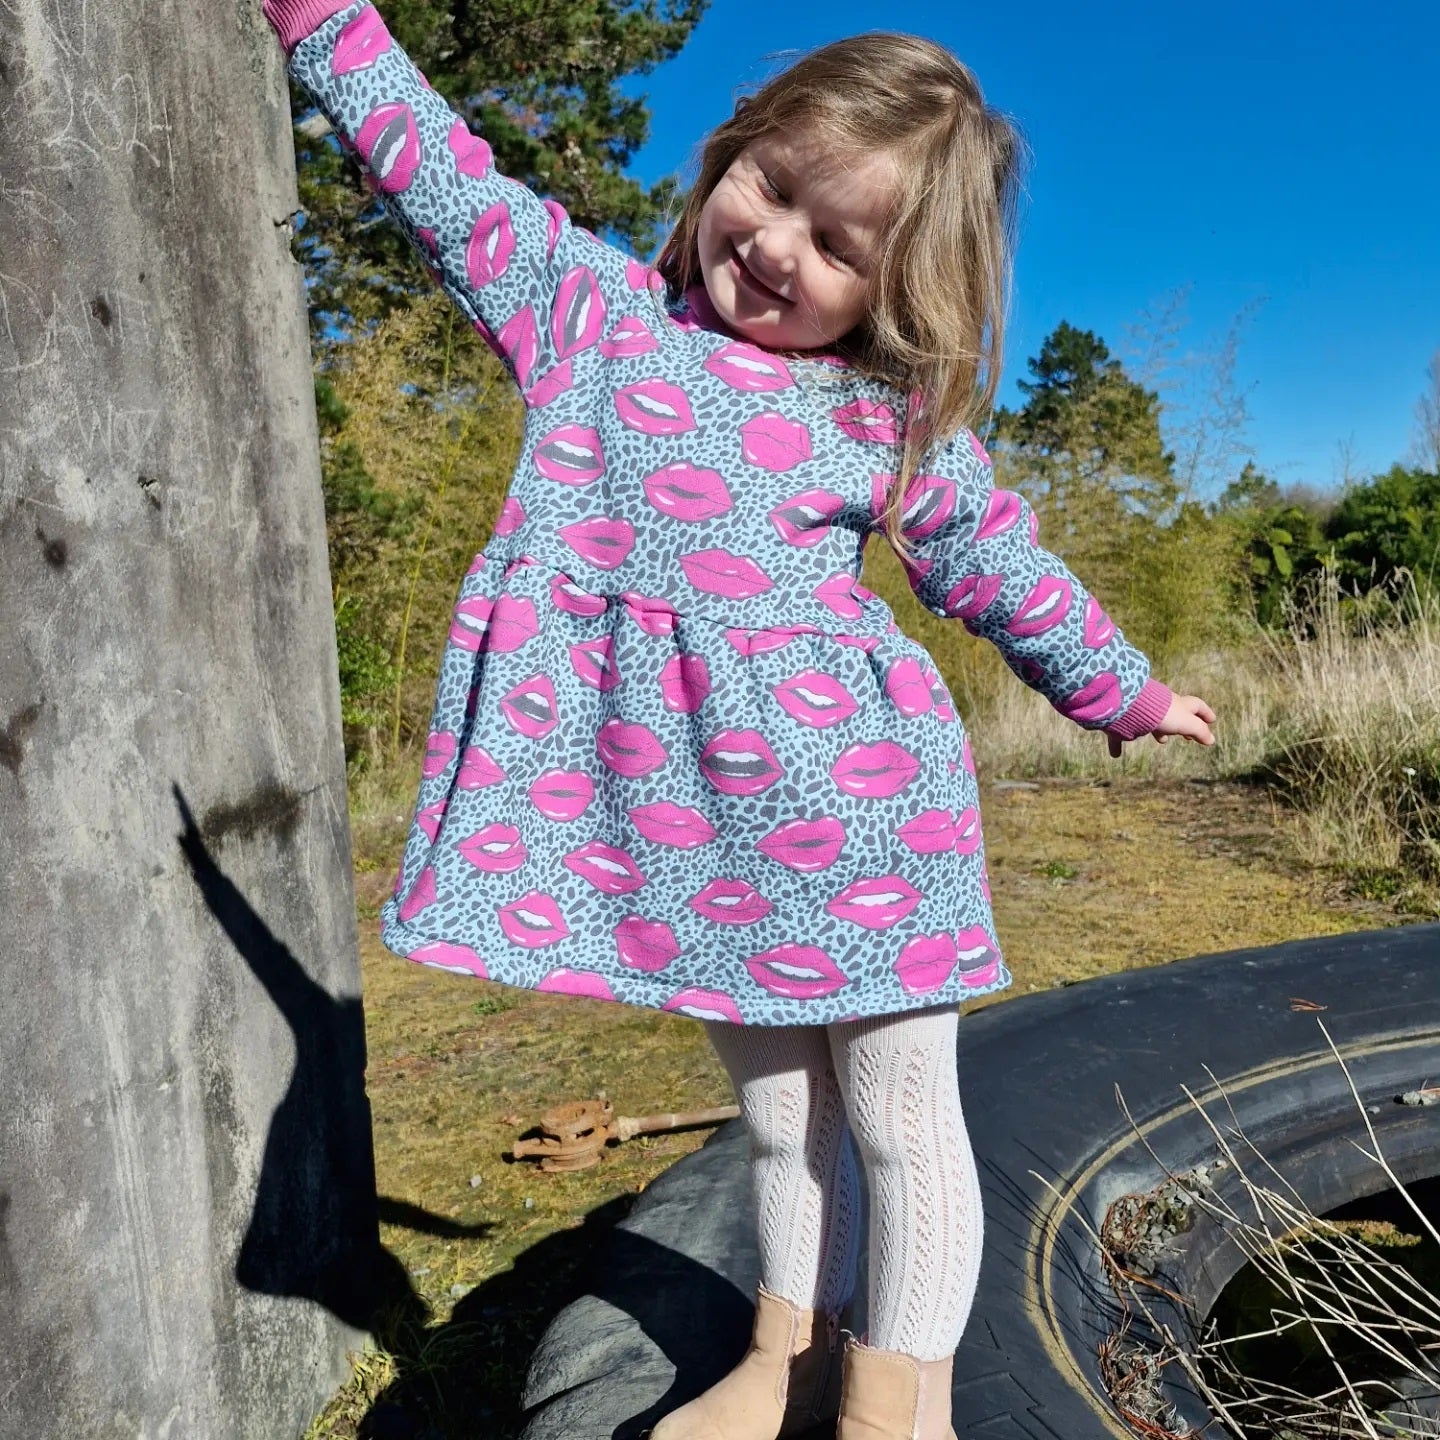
x=187, y=1209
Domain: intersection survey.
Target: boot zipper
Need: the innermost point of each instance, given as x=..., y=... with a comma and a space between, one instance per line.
x=822, y=1379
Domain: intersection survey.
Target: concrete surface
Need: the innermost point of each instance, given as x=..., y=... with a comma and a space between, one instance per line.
x=186, y=1185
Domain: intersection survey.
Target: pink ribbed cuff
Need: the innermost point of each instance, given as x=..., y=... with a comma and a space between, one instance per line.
x=1146, y=711
x=293, y=20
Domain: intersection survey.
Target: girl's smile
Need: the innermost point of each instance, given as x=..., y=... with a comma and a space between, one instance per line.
x=789, y=240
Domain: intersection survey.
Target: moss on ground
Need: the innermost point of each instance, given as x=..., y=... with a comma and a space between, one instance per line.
x=1088, y=879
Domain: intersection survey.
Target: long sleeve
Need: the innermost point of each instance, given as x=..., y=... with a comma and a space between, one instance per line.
x=533, y=284
x=975, y=557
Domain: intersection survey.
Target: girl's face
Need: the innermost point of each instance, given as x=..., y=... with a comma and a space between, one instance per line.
x=789, y=239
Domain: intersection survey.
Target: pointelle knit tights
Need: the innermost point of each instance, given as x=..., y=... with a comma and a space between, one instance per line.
x=889, y=1081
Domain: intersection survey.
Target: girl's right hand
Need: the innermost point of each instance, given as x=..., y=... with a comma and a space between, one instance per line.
x=1188, y=716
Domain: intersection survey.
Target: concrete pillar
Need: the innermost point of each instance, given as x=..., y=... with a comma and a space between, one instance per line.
x=187, y=1214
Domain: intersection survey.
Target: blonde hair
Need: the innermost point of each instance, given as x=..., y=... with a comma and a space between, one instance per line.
x=935, y=321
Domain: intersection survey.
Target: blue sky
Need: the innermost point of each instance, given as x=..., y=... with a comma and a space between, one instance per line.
x=1280, y=163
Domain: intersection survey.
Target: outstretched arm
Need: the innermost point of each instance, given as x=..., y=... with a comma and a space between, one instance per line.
x=533, y=284
x=975, y=556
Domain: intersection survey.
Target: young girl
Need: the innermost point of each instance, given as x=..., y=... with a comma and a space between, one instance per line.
x=680, y=756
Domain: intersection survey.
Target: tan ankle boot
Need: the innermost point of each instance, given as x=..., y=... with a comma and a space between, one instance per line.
x=889, y=1396
x=787, y=1384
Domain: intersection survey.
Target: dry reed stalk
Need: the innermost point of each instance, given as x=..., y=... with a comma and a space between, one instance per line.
x=1331, y=1282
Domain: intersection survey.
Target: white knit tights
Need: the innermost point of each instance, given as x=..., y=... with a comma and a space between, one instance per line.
x=894, y=1077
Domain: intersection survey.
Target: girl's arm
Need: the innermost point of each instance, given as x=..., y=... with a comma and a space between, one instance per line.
x=975, y=558
x=534, y=285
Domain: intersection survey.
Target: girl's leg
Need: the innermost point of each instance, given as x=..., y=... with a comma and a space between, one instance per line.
x=803, y=1168
x=898, y=1076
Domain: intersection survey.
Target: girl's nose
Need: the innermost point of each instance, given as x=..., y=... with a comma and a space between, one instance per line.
x=776, y=252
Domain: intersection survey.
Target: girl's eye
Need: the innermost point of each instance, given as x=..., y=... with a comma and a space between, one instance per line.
x=837, y=255
x=769, y=189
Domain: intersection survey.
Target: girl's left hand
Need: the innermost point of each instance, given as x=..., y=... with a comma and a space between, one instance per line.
x=1188, y=715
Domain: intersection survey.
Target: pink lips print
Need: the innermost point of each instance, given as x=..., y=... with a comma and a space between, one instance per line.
x=1042, y=609
x=774, y=443
x=739, y=762
x=654, y=407
x=570, y=454
x=815, y=698
x=566, y=595
x=471, y=152
x=443, y=955
x=390, y=144
x=589, y=984
x=868, y=420
x=977, y=957
x=684, y=683
x=552, y=383
x=929, y=503
x=562, y=794
x=609, y=869
x=804, y=518
x=1099, y=627
x=967, y=756
x=685, y=492
x=730, y=902
x=421, y=896
x=519, y=338
x=629, y=338
x=875, y=904
x=603, y=541
x=511, y=518
x=702, y=1004
x=925, y=963
x=665, y=823
x=594, y=662
x=497, y=849
x=979, y=450
x=766, y=642
x=579, y=314
x=629, y=750
x=439, y=752
x=967, y=831
x=1098, y=700
x=875, y=771
x=529, y=708
x=555, y=218
x=430, y=819
x=931, y=832
x=744, y=367
x=719, y=572
x=513, y=623
x=906, y=687
x=973, y=596
x=470, y=622
x=804, y=845
x=533, y=920
x=1002, y=510
x=838, y=594
x=360, y=44
x=652, y=613
x=478, y=769
x=797, y=972
x=492, y=243
x=644, y=944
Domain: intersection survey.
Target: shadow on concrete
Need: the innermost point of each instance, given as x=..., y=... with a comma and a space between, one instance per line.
x=313, y=1231
x=7, y=1265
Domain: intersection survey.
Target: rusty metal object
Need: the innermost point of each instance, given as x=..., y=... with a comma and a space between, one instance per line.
x=574, y=1136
